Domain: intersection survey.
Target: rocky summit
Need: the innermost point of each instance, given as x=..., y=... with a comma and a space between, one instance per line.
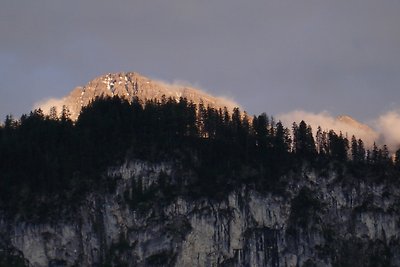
x=128, y=85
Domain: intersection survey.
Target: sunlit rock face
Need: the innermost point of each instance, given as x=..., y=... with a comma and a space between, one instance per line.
x=337, y=225
x=354, y=123
x=128, y=85
x=361, y=130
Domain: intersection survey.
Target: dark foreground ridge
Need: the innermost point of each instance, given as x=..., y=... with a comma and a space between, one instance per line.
x=128, y=174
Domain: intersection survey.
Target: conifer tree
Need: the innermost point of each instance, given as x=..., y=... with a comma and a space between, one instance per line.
x=361, y=150
x=338, y=146
x=281, y=139
x=319, y=141
x=354, y=149
x=260, y=126
x=304, y=141
x=397, y=159
x=375, y=154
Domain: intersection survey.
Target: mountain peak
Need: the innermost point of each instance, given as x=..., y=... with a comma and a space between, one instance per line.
x=346, y=119
x=128, y=85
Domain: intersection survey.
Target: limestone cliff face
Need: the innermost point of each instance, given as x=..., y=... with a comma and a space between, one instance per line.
x=131, y=84
x=336, y=224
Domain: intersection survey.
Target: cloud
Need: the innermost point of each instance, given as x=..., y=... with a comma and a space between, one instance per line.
x=179, y=86
x=345, y=124
x=46, y=104
x=384, y=129
x=388, y=125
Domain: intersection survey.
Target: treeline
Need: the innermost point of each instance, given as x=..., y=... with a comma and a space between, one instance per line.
x=48, y=162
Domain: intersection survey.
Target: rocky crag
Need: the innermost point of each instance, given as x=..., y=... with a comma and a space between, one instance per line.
x=128, y=85
x=319, y=220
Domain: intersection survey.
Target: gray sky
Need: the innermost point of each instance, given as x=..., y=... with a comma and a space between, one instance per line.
x=276, y=56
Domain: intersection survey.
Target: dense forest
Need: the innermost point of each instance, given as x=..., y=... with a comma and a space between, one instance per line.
x=49, y=163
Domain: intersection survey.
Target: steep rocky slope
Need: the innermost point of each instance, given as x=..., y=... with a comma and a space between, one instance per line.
x=128, y=85
x=320, y=220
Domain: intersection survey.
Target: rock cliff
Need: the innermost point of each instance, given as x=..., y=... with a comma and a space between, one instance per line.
x=319, y=220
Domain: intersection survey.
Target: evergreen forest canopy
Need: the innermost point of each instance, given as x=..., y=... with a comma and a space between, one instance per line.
x=49, y=163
